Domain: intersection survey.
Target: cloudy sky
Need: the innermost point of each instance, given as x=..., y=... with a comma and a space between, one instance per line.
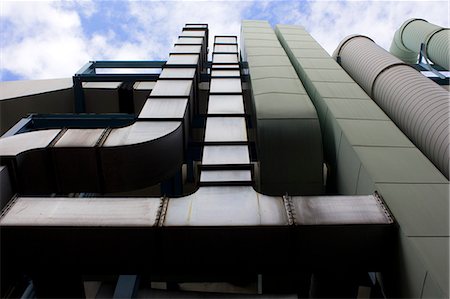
x=51, y=39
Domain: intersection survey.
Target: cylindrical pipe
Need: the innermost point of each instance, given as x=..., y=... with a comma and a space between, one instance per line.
x=418, y=106
x=409, y=37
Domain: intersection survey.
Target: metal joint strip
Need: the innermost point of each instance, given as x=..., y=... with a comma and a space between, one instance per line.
x=8, y=205
x=381, y=203
x=162, y=211
x=290, y=210
x=385, y=69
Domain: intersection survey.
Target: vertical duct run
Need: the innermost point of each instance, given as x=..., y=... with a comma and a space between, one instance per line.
x=409, y=37
x=418, y=106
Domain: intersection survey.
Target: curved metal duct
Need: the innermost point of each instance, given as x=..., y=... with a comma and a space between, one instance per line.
x=409, y=37
x=418, y=106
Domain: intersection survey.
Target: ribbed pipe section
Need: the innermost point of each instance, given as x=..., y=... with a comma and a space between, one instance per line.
x=418, y=106
x=414, y=32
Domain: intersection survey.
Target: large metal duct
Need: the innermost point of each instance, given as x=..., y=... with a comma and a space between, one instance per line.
x=416, y=104
x=409, y=37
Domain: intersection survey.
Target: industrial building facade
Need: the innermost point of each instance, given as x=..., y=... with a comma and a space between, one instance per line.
x=273, y=166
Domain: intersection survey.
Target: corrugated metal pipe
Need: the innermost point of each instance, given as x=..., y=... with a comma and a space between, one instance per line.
x=418, y=106
x=414, y=32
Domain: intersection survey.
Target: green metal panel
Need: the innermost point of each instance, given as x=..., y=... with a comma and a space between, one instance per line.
x=320, y=63
x=273, y=72
x=288, y=151
x=264, y=60
x=435, y=253
x=252, y=43
x=265, y=51
x=310, y=53
x=348, y=166
x=431, y=288
x=368, y=152
x=428, y=206
x=365, y=184
x=260, y=36
x=373, y=133
x=281, y=106
x=317, y=75
x=277, y=85
x=398, y=165
x=341, y=90
x=304, y=45
x=355, y=109
x=410, y=269
x=289, y=139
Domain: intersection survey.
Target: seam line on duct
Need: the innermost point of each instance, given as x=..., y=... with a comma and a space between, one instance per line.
x=382, y=71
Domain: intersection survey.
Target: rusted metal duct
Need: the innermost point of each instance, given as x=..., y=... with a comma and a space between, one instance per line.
x=417, y=105
x=409, y=37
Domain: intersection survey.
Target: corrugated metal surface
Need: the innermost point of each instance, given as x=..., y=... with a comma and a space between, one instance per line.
x=417, y=105
x=438, y=48
x=358, y=47
x=409, y=37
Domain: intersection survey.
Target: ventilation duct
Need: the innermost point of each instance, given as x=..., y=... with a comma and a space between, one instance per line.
x=418, y=106
x=409, y=37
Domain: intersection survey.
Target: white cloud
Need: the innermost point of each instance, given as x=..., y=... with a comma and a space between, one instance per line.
x=42, y=39
x=330, y=21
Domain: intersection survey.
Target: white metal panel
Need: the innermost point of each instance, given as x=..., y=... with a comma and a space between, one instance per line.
x=37, y=211
x=11, y=146
x=140, y=132
x=225, y=129
x=225, y=154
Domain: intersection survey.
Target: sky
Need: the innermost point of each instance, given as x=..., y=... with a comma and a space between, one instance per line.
x=54, y=39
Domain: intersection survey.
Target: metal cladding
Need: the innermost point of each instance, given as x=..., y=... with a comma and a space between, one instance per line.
x=408, y=38
x=116, y=159
x=368, y=152
x=217, y=229
x=417, y=105
x=288, y=133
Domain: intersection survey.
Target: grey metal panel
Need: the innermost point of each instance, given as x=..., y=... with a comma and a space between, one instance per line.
x=40, y=211
x=140, y=132
x=225, y=129
x=14, y=145
x=182, y=59
x=79, y=138
x=187, y=73
x=140, y=163
x=225, y=175
x=225, y=206
x=231, y=73
x=225, y=48
x=225, y=85
x=225, y=40
x=417, y=105
x=339, y=210
x=225, y=154
x=195, y=33
x=186, y=49
x=226, y=104
x=6, y=190
x=172, y=88
x=225, y=58
x=190, y=40
x=164, y=108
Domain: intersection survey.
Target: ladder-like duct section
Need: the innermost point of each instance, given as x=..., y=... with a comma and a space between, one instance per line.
x=418, y=106
x=409, y=37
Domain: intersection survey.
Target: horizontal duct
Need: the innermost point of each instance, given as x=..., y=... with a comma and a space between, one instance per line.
x=418, y=106
x=414, y=32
